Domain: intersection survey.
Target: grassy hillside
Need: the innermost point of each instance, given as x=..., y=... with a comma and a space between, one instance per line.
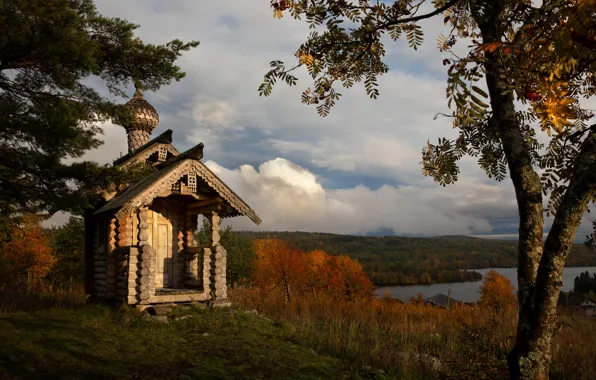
x=93, y=342
x=405, y=260
x=311, y=338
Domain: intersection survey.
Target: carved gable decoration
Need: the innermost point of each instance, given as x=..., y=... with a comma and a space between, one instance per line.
x=225, y=192
x=182, y=172
x=156, y=151
x=154, y=155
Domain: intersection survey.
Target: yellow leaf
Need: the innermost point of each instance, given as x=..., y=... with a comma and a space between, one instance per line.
x=561, y=94
x=493, y=47
x=566, y=101
x=566, y=122
x=306, y=59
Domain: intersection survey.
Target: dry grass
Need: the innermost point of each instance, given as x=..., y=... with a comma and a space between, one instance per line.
x=402, y=339
x=394, y=340
x=13, y=299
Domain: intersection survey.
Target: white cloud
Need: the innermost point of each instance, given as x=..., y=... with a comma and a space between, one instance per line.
x=214, y=113
x=214, y=119
x=289, y=197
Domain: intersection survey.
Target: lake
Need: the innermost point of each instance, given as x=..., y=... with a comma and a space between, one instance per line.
x=470, y=291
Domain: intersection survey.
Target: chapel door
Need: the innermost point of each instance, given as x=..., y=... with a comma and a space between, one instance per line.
x=162, y=241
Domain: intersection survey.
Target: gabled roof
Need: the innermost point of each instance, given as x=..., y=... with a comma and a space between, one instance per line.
x=442, y=300
x=588, y=302
x=164, y=138
x=573, y=300
x=168, y=173
x=195, y=153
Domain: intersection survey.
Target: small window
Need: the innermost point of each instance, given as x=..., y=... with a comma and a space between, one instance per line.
x=163, y=153
x=192, y=182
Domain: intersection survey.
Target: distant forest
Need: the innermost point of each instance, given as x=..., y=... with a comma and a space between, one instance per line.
x=396, y=260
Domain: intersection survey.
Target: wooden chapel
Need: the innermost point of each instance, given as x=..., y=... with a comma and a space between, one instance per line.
x=140, y=244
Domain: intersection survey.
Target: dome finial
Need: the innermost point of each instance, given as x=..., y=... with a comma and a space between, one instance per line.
x=144, y=119
x=138, y=90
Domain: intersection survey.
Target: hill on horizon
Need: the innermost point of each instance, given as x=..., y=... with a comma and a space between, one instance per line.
x=404, y=260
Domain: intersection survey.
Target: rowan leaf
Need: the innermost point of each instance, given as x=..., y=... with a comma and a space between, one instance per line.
x=480, y=91
x=478, y=101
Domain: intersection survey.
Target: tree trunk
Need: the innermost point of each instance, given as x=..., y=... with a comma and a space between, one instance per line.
x=527, y=353
x=528, y=192
x=539, y=274
x=286, y=287
x=581, y=190
x=532, y=353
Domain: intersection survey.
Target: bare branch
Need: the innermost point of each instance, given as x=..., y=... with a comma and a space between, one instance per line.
x=417, y=18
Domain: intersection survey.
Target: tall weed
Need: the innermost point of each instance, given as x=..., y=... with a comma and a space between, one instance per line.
x=418, y=341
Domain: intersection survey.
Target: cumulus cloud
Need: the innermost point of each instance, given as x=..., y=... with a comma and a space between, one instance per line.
x=289, y=197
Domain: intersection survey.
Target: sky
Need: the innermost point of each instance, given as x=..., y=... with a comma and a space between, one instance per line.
x=355, y=172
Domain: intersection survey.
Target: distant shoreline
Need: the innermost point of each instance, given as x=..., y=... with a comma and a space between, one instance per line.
x=432, y=283
x=475, y=270
x=406, y=261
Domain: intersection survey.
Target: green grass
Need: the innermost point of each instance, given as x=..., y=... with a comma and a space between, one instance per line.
x=96, y=342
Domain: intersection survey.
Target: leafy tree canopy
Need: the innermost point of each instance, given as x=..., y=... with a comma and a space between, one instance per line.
x=585, y=283
x=280, y=267
x=49, y=53
x=28, y=254
x=68, y=242
x=497, y=292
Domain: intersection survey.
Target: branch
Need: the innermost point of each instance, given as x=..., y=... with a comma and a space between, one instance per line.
x=417, y=18
x=442, y=114
x=5, y=63
x=581, y=190
x=580, y=133
x=292, y=69
x=345, y=43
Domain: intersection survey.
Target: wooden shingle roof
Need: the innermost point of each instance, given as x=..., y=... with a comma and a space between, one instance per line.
x=168, y=173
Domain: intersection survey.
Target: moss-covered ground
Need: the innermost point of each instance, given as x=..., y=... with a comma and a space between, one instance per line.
x=98, y=342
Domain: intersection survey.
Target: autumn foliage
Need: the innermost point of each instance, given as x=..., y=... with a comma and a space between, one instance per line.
x=497, y=292
x=28, y=253
x=281, y=268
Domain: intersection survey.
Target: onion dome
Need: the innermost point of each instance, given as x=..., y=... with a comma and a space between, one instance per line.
x=144, y=121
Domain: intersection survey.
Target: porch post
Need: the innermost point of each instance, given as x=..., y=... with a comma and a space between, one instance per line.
x=218, y=285
x=145, y=270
